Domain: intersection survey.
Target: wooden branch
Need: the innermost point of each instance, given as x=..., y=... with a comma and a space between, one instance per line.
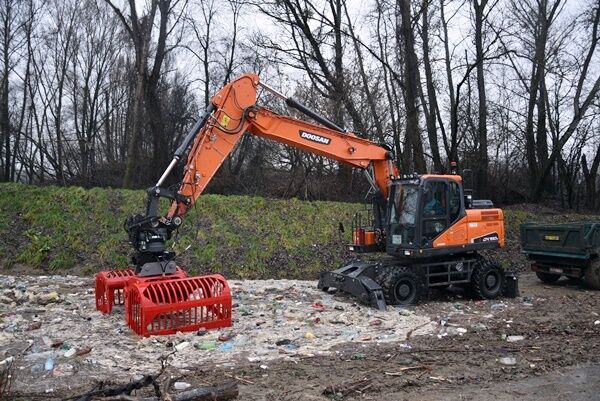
x=115, y=391
x=348, y=388
x=122, y=18
x=221, y=392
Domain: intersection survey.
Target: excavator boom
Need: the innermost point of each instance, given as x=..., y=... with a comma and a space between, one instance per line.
x=235, y=113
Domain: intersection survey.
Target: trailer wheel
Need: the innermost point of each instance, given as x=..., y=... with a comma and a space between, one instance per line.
x=547, y=277
x=401, y=286
x=488, y=280
x=591, y=275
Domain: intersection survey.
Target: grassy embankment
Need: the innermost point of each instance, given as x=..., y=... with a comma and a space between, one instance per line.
x=73, y=230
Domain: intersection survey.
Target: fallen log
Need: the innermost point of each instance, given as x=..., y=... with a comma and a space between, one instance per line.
x=221, y=392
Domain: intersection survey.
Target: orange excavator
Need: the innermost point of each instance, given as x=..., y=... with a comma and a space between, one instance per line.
x=428, y=225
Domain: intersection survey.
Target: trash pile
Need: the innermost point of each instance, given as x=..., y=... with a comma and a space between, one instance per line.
x=50, y=327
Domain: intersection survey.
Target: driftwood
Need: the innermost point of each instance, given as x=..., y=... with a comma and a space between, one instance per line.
x=348, y=388
x=222, y=392
x=116, y=390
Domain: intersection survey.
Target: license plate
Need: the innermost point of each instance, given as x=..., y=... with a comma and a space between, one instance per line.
x=552, y=238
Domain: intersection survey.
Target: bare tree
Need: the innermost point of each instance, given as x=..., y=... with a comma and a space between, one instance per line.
x=149, y=58
x=413, y=158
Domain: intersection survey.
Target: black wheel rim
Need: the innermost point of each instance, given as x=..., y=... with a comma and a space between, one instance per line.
x=404, y=291
x=492, y=281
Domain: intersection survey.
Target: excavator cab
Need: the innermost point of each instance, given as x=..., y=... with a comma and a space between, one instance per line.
x=426, y=217
x=433, y=232
x=420, y=208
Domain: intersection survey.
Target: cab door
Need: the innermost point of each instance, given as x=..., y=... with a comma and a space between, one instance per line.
x=448, y=229
x=434, y=210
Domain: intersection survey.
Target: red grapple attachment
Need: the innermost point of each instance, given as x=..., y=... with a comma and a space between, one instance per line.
x=110, y=287
x=158, y=305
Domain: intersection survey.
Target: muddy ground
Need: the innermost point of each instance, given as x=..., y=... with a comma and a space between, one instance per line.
x=558, y=359
x=542, y=345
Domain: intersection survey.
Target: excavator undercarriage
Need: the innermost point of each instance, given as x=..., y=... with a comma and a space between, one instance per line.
x=380, y=283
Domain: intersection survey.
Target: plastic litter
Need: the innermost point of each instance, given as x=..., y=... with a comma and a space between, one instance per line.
x=206, y=345
x=226, y=346
x=181, y=386
x=508, y=361
x=49, y=365
x=182, y=346
x=512, y=339
x=70, y=352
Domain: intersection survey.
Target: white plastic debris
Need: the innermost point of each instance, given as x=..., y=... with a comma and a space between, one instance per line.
x=508, y=361
x=181, y=386
x=70, y=352
x=182, y=346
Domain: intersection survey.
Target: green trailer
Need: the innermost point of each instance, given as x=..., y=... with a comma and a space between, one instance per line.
x=570, y=249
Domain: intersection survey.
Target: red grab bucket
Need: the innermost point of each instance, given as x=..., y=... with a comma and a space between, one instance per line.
x=110, y=287
x=166, y=305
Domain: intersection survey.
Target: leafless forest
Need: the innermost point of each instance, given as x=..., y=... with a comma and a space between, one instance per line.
x=99, y=92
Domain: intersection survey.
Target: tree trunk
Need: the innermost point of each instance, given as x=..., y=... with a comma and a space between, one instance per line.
x=481, y=169
x=413, y=159
x=431, y=114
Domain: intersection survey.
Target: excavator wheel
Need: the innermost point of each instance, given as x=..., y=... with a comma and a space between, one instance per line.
x=591, y=275
x=488, y=279
x=401, y=286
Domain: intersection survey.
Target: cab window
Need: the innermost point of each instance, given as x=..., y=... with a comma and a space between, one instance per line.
x=435, y=209
x=454, y=201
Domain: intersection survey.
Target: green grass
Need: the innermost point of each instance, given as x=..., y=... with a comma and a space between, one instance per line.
x=74, y=230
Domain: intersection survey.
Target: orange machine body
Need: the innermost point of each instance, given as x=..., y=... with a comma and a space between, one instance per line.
x=479, y=225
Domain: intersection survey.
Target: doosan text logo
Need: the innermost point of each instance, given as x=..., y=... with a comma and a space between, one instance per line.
x=315, y=138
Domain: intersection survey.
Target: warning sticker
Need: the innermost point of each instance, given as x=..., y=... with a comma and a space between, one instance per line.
x=225, y=120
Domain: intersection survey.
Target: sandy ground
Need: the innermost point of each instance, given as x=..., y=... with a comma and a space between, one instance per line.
x=543, y=345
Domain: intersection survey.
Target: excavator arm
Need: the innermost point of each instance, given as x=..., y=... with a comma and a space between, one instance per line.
x=233, y=112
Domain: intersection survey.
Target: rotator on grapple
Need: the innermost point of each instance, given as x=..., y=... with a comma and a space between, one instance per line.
x=428, y=226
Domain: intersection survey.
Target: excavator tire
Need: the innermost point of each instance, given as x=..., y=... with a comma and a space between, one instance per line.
x=401, y=286
x=547, y=277
x=591, y=275
x=487, y=280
